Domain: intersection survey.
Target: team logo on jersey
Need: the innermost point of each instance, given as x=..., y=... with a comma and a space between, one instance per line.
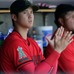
x=20, y=52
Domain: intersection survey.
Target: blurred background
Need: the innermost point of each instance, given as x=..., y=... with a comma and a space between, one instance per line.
x=43, y=18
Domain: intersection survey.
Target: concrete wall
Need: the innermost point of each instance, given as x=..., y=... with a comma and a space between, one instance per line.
x=7, y=23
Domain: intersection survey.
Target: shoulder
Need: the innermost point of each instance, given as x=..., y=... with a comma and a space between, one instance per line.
x=13, y=36
x=12, y=40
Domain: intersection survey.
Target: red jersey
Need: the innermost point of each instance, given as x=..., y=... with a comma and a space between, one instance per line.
x=25, y=56
x=66, y=60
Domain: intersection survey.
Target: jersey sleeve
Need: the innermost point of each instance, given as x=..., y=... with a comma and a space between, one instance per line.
x=66, y=61
x=20, y=55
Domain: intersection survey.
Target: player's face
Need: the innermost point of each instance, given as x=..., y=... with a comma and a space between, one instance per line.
x=25, y=18
x=69, y=21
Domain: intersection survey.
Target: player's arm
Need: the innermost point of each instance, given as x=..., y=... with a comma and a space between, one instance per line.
x=47, y=65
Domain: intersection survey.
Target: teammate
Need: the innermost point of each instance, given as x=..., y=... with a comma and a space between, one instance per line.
x=64, y=16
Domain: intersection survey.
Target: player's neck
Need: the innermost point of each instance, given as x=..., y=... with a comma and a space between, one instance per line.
x=22, y=31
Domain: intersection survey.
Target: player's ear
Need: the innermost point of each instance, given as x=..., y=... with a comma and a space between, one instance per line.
x=14, y=17
x=61, y=21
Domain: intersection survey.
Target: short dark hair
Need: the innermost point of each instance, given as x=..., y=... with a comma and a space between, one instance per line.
x=61, y=11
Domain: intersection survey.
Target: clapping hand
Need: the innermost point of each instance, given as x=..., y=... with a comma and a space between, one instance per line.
x=60, y=40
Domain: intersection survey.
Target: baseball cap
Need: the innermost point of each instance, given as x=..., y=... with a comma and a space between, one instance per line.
x=62, y=9
x=20, y=5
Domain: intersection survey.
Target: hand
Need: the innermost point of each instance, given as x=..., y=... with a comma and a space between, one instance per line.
x=59, y=31
x=60, y=40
